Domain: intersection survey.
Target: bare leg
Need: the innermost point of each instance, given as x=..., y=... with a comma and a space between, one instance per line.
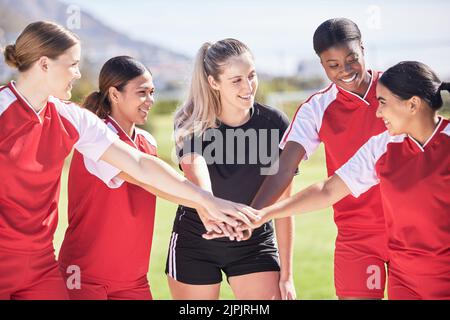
x=256, y=286
x=183, y=291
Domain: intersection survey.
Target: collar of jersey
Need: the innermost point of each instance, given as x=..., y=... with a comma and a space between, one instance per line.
x=357, y=98
x=431, y=138
x=120, y=129
x=25, y=103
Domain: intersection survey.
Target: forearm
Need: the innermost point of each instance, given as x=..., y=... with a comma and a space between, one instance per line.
x=274, y=185
x=285, y=231
x=154, y=172
x=272, y=189
x=171, y=198
x=150, y=170
x=168, y=182
x=315, y=197
x=159, y=193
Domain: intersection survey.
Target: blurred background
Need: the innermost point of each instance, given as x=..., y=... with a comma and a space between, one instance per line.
x=165, y=35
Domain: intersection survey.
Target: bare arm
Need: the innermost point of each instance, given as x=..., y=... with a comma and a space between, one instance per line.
x=274, y=185
x=196, y=170
x=154, y=172
x=285, y=238
x=184, y=202
x=318, y=196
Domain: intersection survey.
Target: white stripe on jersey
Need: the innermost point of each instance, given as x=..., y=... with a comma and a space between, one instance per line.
x=7, y=98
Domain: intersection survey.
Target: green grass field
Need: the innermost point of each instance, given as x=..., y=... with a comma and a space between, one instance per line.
x=314, y=239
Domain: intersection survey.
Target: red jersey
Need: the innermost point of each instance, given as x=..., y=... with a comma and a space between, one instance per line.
x=33, y=146
x=110, y=221
x=415, y=189
x=343, y=121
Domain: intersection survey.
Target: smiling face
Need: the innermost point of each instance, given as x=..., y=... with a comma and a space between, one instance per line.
x=63, y=71
x=345, y=66
x=133, y=103
x=395, y=112
x=238, y=82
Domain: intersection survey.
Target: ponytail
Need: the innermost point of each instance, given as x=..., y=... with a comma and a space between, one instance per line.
x=98, y=103
x=445, y=86
x=202, y=107
x=11, y=57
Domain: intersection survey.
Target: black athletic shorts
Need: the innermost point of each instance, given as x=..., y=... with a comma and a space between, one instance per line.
x=194, y=260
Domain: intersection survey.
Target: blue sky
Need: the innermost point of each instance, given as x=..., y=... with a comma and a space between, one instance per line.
x=280, y=32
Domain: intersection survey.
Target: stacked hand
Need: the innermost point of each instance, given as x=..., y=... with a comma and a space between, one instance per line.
x=223, y=218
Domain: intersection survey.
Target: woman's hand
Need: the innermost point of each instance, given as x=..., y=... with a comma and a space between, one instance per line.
x=246, y=230
x=238, y=235
x=287, y=289
x=218, y=228
x=231, y=213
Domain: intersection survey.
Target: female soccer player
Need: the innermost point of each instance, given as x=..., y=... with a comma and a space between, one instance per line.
x=37, y=132
x=411, y=164
x=342, y=116
x=226, y=143
x=109, y=236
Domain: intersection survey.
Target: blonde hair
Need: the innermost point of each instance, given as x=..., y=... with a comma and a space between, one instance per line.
x=202, y=107
x=39, y=39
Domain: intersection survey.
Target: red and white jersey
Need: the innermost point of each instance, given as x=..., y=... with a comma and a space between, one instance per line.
x=33, y=147
x=110, y=221
x=415, y=189
x=343, y=121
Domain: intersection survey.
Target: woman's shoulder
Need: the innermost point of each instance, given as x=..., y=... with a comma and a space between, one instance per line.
x=271, y=114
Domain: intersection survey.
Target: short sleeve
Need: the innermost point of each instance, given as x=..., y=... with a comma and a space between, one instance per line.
x=304, y=130
x=283, y=126
x=94, y=136
x=307, y=122
x=94, y=139
x=359, y=173
x=104, y=171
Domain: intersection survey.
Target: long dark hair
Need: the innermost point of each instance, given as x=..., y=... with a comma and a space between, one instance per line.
x=116, y=72
x=411, y=78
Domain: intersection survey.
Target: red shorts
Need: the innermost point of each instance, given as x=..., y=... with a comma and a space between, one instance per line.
x=91, y=288
x=419, y=279
x=360, y=264
x=33, y=276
